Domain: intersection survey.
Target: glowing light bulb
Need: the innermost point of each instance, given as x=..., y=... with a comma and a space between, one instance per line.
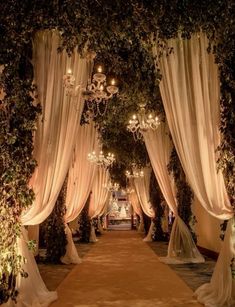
x=113, y=82
x=101, y=87
x=99, y=69
x=134, y=116
x=69, y=71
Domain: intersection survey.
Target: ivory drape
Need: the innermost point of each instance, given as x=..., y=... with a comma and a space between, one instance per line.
x=99, y=197
x=80, y=179
x=54, y=142
x=190, y=93
x=142, y=190
x=181, y=248
x=56, y=129
x=133, y=198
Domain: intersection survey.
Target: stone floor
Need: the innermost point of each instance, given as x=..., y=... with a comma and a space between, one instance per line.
x=193, y=275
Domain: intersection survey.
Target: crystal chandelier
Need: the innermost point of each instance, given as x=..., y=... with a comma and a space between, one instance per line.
x=142, y=122
x=69, y=83
x=98, y=93
x=135, y=174
x=101, y=159
x=112, y=187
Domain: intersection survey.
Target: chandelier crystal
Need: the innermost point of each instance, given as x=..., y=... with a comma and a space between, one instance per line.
x=112, y=187
x=142, y=122
x=101, y=159
x=98, y=92
x=69, y=83
x=135, y=174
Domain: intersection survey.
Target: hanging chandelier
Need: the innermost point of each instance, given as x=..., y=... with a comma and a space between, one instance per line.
x=141, y=122
x=69, y=84
x=98, y=93
x=112, y=187
x=101, y=159
x=135, y=174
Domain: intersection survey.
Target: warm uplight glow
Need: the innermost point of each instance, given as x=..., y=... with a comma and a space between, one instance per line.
x=99, y=69
x=134, y=116
x=101, y=88
x=69, y=71
x=113, y=82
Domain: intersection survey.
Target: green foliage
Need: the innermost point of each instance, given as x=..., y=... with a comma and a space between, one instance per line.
x=223, y=227
x=155, y=198
x=84, y=223
x=119, y=31
x=184, y=193
x=55, y=237
x=17, y=123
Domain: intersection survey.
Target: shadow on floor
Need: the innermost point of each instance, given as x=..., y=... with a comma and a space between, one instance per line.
x=193, y=274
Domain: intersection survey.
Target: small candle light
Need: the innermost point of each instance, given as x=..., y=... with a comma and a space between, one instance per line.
x=99, y=69
x=101, y=87
x=113, y=82
x=69, y=71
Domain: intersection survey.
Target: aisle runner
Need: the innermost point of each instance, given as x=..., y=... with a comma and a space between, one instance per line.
x=122, y=271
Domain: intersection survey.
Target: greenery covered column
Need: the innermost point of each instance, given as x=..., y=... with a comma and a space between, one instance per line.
x=155, y=199
x=55, y=237
x=184, y=193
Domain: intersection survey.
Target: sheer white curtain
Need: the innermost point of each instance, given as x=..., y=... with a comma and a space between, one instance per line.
x=80, y=179
x=57, y=127
x=142, y=190
x=181, y=248
x=54, y=142
x=99, y=197
x=133, y=198
x=190, y=93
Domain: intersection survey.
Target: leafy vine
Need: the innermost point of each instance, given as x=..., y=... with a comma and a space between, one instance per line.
x=120, y=33
x=184, y=193
x=55, y=237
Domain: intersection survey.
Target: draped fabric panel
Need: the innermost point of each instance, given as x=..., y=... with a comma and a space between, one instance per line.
x=57, y=127
x=133, y=198
x=190, y=93
x=99, y=197
x=54, y=143
x=181, y=248
x=32, y=290
x=142, y=190
x=80, y=180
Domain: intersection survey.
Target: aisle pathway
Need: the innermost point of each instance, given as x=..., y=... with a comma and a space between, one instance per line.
x=121, y=270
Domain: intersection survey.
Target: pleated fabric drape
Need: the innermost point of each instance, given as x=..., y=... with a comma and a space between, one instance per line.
x=80, y=180
x=181, y=248
x=190, y=93
x=99, y=197
x=54, y=142
x=141, y=185
x=133, y=199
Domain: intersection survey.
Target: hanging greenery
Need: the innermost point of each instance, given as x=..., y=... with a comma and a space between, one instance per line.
x=184, y=193
x=155, y=198
x=84, y=223
x=119, y=32
x=55, y=237
x=17, y=123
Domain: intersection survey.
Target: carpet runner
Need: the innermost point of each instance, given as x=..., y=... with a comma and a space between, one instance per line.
x=120, y=270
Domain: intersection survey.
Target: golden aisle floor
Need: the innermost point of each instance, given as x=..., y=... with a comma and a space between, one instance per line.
x=121, y=270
